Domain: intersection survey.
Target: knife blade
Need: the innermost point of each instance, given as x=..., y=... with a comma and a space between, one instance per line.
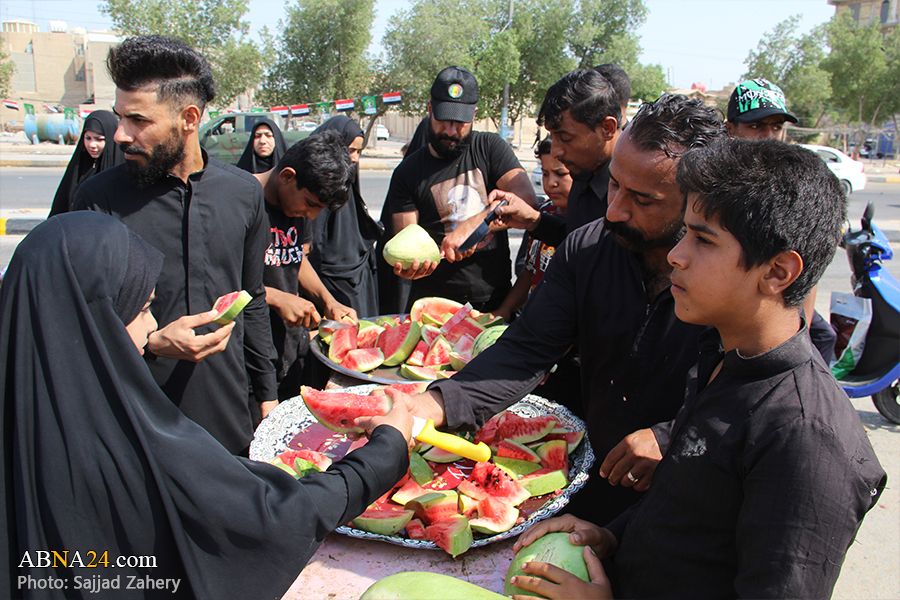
x=482, y=230
x=424, y=431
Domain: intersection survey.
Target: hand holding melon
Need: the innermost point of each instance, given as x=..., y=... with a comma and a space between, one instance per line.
x=179, y=341
x=412, y=253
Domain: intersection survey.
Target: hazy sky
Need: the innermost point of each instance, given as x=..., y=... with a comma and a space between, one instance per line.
x=694, y=40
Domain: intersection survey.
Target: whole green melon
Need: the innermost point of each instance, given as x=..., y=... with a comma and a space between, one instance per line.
x=411, y=244
x=487, y=338
x=554, y=548
x=417, y=585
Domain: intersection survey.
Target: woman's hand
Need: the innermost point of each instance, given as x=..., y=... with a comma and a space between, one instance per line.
x=548, y=581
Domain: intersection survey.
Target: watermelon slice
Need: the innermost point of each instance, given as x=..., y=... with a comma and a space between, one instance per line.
x=398, y=342
x=524, y=429
x=458, y=361
x=516, y=468
x=363, y=359
x=368, y=334
x=572, y=438
x=415, y=530
x=429, y=333
x=343, y=340
x=435, y=506
x=487, y=479
x=419, y=373
x=511, y=449
x=417, y=358
x=229, y=306
x=410, y=388
x=436, y=309
x=466, y=327
x=337, y=410
x=494, y=516
x=487, y=338
x=385, y=519
x=554, y=455
x=453, y=535
x=544, y=481
x=467, y=505
x=438, y=354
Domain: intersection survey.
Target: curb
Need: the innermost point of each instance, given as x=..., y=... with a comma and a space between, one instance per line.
x=18, y=226
x=884, y=178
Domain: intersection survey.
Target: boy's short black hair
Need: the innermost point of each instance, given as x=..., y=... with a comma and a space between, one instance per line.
x=323, y=167
x=182, y=75
x=674, y=124
x=772, y=197
x=586, y=94
x=618, y=78
x=543, y=147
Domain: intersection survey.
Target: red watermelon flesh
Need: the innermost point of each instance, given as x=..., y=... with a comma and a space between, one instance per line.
x=524, y=429
x=436, y=308
x=321, y=461
x=398, y=342
x=429, y=333
x=435, y=506
x=488, y=431
x=384, y=520
x=463, y=346
x=511, y=449
x=408, y=492
x=343, y=340
x=363, y=359
x=453, y=535
x=337, y=410
x=554, y=455
x=417, y=358
x=494, y=516
x=466, y=327
x=367, y=337
x=439, y=353
x=487, y=479
x=572, y=438
x=415, y=530
x=410, y=388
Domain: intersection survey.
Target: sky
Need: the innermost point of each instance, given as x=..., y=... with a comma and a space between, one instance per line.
x=703, y=41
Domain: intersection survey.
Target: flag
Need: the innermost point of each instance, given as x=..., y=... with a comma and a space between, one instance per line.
x=51, y=109
x=368, y=103
x=257, y=109
x=390, y=97
x=11, y=104
x=84, y=112
x=284, y=111
x=300, y=109
x=343, y=104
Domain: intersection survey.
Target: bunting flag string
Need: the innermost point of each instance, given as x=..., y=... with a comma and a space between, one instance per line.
x=368, y=104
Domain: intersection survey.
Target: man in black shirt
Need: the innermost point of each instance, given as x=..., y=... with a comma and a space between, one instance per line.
x=769, y=472
x=581, y=111
x=313, y=173
x=444, y=187
x=606, y=292
x=208, y=219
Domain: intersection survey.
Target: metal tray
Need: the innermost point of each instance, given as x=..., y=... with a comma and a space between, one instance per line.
x=286, y=425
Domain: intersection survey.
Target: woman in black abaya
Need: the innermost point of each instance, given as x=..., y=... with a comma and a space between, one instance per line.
x=96, y=151
x=264, y=148
x=96, y=458
x=343, y=241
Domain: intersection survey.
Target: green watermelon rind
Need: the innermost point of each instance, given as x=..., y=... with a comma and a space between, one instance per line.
x=227, y=314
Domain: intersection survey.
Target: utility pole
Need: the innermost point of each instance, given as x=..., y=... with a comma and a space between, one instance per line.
x=504, y=111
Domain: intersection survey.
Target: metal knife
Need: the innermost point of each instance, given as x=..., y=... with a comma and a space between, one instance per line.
x=424, y=431
x=482, y=230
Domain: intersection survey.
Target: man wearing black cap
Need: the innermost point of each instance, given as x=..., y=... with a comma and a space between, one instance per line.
x=444, y=187
x=757, y=110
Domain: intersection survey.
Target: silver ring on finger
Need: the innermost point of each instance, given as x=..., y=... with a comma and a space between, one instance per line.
x=631, y=477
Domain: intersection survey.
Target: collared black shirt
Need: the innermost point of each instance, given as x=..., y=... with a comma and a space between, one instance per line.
x=213, y=233
x=634, y=353
x=587, y=202
x=762, y=490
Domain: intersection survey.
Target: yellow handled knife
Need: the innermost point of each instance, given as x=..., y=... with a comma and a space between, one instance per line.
x=424, y=431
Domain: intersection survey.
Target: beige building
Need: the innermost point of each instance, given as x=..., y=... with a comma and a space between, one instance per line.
x=57, y=68
x=868, y=12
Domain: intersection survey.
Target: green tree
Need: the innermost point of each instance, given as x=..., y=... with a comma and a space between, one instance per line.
x=320, y=51
x=603, y=31
x=860, y=74
x=213, y=27
x=7, y=68
x=794, y=63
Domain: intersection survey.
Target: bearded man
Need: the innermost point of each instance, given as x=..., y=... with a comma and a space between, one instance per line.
x=208, y=219
x=444, y=187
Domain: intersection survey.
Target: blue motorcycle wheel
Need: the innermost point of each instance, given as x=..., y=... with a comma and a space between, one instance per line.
x=887, y=401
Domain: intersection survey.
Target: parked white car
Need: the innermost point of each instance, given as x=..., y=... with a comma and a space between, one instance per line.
x=382, y=133
x=850, y=172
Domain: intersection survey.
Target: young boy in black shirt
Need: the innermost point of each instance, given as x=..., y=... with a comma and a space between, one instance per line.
x=769, y=472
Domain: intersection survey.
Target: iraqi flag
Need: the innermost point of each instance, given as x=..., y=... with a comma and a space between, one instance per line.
x=344, y=104
x=284, y=111
x=391, y=97
x=300, y=109
x=11, y=104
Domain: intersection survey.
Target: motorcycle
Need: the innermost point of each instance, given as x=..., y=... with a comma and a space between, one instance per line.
x=877, y=372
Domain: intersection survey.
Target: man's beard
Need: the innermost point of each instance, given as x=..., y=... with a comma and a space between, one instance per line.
x=159, y=161
x=447, y=146
x=635, y=241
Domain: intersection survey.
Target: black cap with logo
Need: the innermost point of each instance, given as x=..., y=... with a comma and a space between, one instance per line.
x=756, y=99
x=454, y=95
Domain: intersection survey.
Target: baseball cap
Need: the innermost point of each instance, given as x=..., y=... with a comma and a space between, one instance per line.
x=756, y=99
x=454, y=95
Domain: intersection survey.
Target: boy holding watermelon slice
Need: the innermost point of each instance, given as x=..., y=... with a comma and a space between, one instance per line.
x=769, y=472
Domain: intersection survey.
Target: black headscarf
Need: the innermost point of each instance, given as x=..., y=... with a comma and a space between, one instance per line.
x=343, y=240
x=96, y=457
x=249, y=161
x=81, y=166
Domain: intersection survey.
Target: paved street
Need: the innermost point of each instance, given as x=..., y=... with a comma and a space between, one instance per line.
x=873, y=562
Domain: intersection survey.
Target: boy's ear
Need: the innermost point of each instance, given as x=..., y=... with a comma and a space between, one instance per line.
x=783, y=270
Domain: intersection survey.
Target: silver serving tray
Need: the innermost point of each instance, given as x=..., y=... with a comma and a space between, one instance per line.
x=386, y=375
x=292, y=417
